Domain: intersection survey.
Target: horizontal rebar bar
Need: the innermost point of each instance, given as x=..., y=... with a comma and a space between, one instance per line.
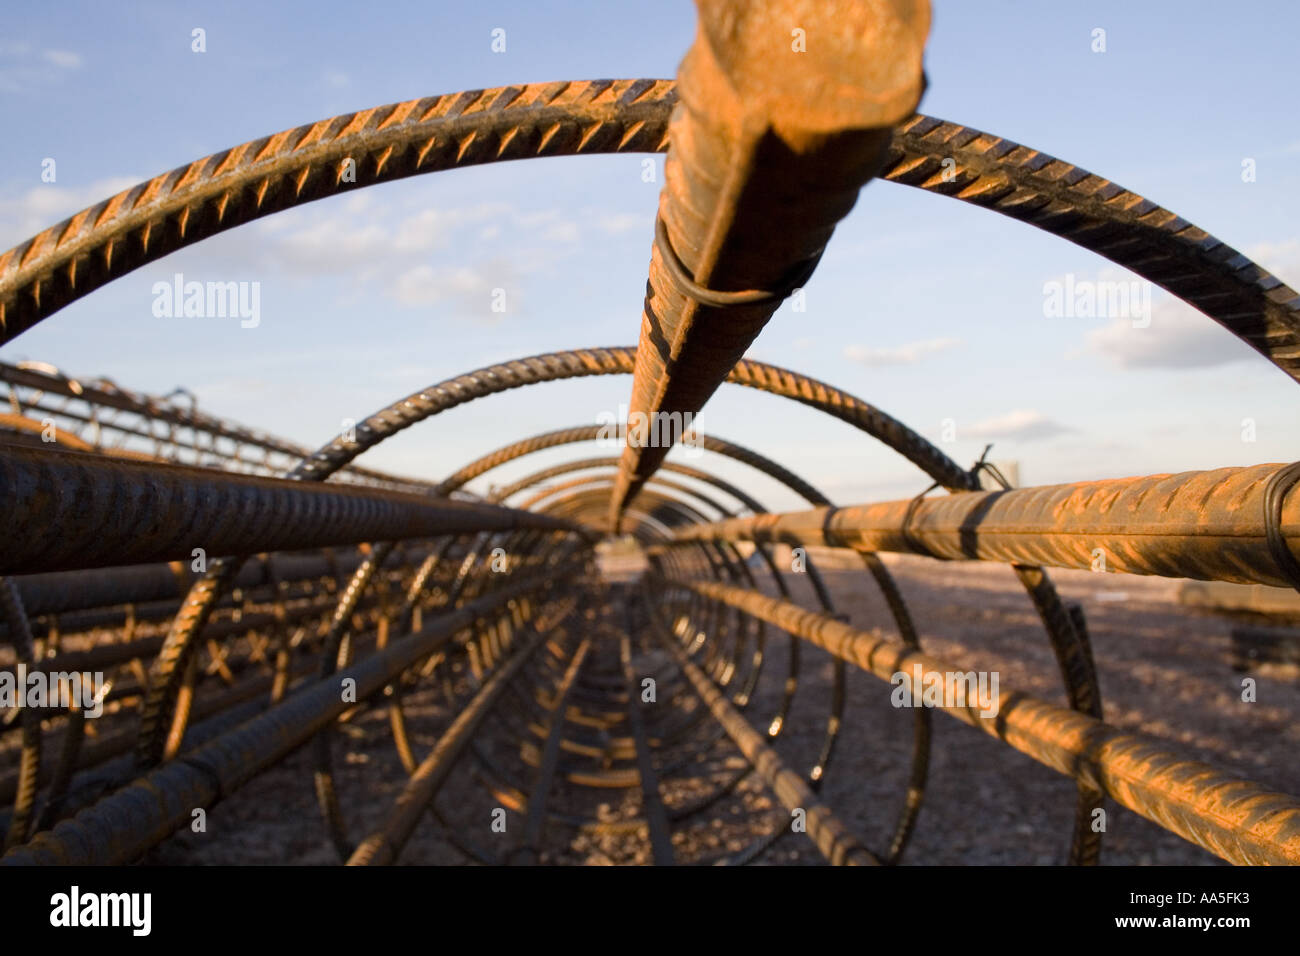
x=1208, y=525
x=1238, y=820
x=66, y=510
x=833, y=839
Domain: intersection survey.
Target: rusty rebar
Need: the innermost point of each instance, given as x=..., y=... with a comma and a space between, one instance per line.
x=1240, y=821
x=64, y=510
x=768, y=148
x=161, y=801
x=1208, y=525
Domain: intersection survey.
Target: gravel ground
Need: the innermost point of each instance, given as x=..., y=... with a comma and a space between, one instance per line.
x=1163, y=668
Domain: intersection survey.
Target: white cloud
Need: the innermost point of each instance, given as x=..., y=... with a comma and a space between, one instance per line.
x=376, y=240
x=472, y=291
x=25, y=70
x=623, y=222
x=1178, y=337
x=423, y=286
x=434, y=256
x=1019, y=425
x=561, y=232
x=329, y=245
x=63, y=59
x=908, y=354
x=436, y=228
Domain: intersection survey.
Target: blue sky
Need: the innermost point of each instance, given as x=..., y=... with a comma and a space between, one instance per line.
x=931, y=309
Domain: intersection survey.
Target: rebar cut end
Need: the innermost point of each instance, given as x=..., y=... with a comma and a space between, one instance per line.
x=820, y=66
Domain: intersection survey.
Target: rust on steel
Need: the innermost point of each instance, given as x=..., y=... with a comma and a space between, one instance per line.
x=65, y=510
x=1208, y=525
x=832, y=837
x=1240, y=821
x=177, y=434
x=312, y=161
x=769, y=145
x=160, y=802
x=782, y=111
x=382, y=847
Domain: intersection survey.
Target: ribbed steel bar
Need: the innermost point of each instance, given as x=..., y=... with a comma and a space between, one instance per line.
x=320, y=159
x=581, y=433
x=1086, y=845
x=62, y=591
x=674, y=513
x=114, y=653
x=265, y=176
x=535, y=821
x=382, y=847
x=110, y=744
x=768, y=149
x=585, y=464
x=1060, y=198
x=555, y=366
x=582, y=363
x=161, y=801
x=1208, y=525
x=102, y=394
x=94, y=767
x=64, y=510
x=658, y=831
x=661, y=484
x=1240, y=821
x=832, y=838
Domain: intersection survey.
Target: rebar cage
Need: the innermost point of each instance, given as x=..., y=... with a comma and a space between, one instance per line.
x=248, y=596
